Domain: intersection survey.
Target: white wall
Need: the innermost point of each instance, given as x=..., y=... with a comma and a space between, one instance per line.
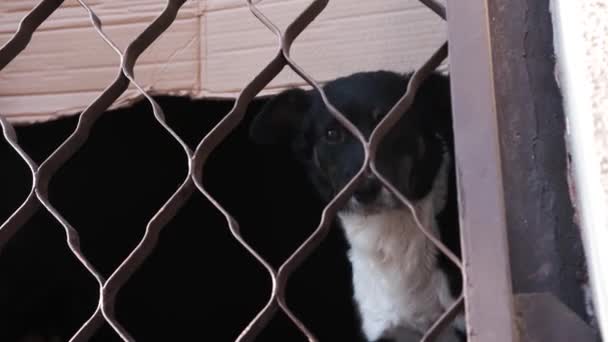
x=581, y=37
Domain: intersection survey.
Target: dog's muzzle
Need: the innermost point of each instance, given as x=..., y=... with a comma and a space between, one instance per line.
x=368, y=190
x=371, y=196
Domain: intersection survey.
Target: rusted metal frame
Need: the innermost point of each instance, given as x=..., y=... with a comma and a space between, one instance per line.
x=43, y=174
x=487, y=275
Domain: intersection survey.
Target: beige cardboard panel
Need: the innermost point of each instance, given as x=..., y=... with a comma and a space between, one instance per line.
x=236, y=28
x=55, y=105
x=67, y=64
x=11, y=13
x=350, y=36
x=214, y=5
x=53, y=64
x=26, y=107
x=74, y=41
x=71, y=14
x=81, y=48
x=212, y=50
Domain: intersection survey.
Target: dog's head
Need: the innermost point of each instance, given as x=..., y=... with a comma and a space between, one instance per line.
x=409, y=156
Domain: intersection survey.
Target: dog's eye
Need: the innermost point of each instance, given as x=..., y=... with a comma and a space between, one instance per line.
x=333, y=135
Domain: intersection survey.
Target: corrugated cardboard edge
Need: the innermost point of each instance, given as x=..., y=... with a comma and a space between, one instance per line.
x=215, y=76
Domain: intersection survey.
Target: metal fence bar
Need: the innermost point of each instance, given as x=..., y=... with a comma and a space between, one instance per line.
x=487, y=285
x=486, y=225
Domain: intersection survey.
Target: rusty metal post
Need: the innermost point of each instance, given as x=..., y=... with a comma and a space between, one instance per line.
x=487, y=274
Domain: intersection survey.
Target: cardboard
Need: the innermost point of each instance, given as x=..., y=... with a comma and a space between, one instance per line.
x=212, y=50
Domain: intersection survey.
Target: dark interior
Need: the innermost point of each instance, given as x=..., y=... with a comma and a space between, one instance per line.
x=199, y=283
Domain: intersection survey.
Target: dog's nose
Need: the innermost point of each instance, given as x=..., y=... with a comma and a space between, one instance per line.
x=367, y=191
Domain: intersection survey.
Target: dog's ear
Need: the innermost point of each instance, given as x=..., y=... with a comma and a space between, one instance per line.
x=280, y=117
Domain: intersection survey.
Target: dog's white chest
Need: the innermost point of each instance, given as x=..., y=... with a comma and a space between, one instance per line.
x=396, y=281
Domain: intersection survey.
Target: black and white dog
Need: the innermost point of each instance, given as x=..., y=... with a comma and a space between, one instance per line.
x=402, y=283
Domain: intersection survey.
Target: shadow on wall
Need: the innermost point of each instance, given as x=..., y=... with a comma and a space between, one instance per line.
x=199, y=284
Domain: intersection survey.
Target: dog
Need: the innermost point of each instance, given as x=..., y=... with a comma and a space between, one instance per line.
x=402, y=283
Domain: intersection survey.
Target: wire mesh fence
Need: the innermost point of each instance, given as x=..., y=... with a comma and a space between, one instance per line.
x=38, y=198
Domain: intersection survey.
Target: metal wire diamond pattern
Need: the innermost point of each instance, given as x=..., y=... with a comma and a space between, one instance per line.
x=196, y=160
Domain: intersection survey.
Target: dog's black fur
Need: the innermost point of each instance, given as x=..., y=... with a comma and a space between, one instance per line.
x=409, y=156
